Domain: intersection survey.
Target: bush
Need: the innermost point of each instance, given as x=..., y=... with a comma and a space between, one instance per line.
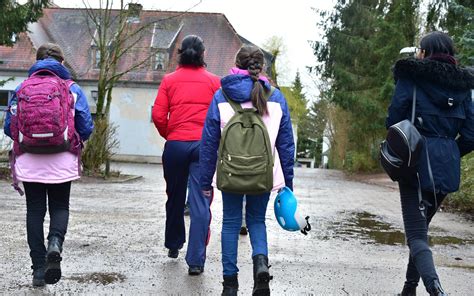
x=100, y=148
x=357, y=162
x=463, y=200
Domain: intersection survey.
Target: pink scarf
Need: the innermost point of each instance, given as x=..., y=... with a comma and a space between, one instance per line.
x=235, y=70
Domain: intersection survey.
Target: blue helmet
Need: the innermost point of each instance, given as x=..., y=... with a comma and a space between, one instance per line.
x=287, y=214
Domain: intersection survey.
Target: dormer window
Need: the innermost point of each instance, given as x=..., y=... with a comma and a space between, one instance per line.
x=160, y=61
x=97, y=58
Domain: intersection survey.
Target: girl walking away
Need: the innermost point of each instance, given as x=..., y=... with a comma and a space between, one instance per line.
x=246, y=88
x=48, y=120
x=179, y=113
x=445, y=118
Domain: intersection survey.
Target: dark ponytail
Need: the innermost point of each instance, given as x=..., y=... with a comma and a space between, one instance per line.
x=251, y=58
x=191, y=52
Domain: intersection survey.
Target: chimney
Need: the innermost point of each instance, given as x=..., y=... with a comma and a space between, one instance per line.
x=134, y=10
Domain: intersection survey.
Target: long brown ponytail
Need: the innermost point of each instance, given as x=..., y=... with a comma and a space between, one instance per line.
x=251, y=58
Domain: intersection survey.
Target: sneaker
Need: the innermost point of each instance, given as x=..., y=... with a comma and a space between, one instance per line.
x=38, y=277
x=243, y=230
x=173, y=253
x=195, y=270
x=52, y=273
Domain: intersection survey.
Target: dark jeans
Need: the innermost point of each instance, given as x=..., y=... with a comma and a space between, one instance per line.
x=58, y=205
x=180, y=164
x=420, y=262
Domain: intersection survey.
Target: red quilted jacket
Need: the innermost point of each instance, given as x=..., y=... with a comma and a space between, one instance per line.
x=181, y=104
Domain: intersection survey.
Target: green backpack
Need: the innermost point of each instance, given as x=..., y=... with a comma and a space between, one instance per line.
x=245, y=160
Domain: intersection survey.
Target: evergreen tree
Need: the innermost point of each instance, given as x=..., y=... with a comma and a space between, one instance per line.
x=458, y=20
x=14, y=18
x=362, y=41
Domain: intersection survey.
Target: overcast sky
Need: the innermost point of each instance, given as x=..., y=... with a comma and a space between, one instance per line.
x=294, y=21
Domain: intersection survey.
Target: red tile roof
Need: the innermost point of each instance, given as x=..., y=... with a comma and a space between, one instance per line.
x=69, y=28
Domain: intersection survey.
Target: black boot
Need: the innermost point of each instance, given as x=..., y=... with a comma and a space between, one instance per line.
x=408, y=290
x=261, y=275
x=437, y=290
x=38, y=277
x=231, y=286
x=53, y=261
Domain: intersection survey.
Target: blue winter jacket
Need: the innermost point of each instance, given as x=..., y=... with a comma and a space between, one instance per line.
x=238, y=87
x=445, y=114
x=82, y=119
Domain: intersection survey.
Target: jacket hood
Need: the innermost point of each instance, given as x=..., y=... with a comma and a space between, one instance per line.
x=51, y=65
x=239, y=87
x=446, y=84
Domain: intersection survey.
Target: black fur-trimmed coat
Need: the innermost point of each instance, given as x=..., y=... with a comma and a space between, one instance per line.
x=445, y=114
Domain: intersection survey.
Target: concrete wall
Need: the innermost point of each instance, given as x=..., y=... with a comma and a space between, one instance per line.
x=130, y=112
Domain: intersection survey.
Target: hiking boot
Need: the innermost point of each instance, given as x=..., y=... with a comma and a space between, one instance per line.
x=243, y=230
x=52, y=273
x=38, y=277
x=437, y=290
x=261, y=275
x=173, y=253
x=195, y=270
x=231, y=285
x=408, y=290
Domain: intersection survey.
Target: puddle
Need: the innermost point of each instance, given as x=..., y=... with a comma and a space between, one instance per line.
x=371, y=228
x=104, y=278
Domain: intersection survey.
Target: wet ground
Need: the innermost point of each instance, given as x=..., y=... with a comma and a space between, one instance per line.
x=114, y=243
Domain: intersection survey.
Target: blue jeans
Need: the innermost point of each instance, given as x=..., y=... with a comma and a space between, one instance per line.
x=56, y=197
x=256, y=207
x=420, y=262
x=180, y=164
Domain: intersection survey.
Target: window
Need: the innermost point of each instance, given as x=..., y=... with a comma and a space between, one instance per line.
x=5, y=96
x=160, y=60
x=94, y=95
x=97, y=58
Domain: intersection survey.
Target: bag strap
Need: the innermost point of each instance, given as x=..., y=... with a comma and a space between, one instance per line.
x=236, y=106
x=12, y=159
x=413, y=107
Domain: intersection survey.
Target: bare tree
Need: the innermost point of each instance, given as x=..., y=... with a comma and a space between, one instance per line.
x=276, y=46
x=117, y=34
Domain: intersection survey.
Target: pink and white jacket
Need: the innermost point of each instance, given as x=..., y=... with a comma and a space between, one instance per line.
x=238, y=86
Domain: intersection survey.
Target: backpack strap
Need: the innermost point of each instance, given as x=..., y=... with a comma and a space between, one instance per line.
x=69, y=82
x=237, y=107
x=12, y=159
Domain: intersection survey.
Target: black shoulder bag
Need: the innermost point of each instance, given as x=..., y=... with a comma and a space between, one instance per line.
x=400, y=152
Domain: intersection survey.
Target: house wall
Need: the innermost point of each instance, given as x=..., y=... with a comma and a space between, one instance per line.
x=130, y=112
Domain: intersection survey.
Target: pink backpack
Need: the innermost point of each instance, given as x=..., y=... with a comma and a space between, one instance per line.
x=44, y=120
